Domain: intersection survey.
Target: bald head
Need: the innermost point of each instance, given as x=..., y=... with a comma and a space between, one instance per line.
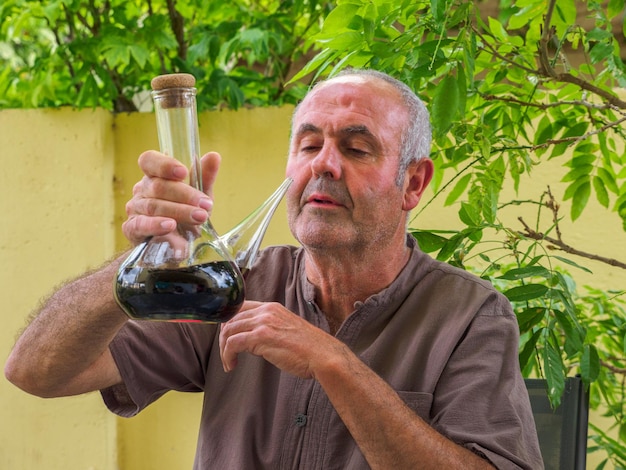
x=416, y=132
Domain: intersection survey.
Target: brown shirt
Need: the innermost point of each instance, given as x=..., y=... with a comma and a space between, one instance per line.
x=445, y=340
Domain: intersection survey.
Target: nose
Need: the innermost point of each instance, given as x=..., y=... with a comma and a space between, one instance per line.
x=327, y=163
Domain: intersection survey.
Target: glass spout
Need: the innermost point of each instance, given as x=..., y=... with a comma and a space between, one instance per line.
x=244, y=240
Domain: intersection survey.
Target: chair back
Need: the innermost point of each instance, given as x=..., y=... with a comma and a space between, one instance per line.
x=562, y=431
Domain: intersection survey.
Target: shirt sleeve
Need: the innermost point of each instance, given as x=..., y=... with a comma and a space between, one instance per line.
x=482, y=388
x=154, y=358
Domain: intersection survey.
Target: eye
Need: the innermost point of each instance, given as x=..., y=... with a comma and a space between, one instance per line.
x=309, y=151
x=308, y=146
x=357, y=148
x=357, y=152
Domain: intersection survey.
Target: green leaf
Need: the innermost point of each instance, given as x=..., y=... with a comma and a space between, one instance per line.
x=497, y=30
x=544, y=132
x=117, y=55
x=438, y=10
x=428, y=241
x=530, y=317
x=462, y=86
x=450, y=247
x=459, y=188
x=140, y=54
x=554, y=372
x=580, y=199
x=338, y=20
x=566, y=10
x=608, y=178
x=525, y=272
x=469, y=215
x=324, y=57
x=572, y=263
x=526, y=292
x=445, y=105
x=614, y=8
x=577, y=172
x=529, y=348
x=573, y=335
x=600, y=51
x=589, y=364
x=490, y=202
x=527, y=12
x=583, y=159
x=348, y=40
x=601, y=193
x=88, y=94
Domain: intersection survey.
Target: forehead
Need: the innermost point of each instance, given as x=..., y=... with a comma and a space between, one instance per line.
x=353, y=101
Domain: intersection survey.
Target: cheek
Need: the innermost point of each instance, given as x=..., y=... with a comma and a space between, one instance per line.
x=300, y=175
x=298, y=167
x=290, y=168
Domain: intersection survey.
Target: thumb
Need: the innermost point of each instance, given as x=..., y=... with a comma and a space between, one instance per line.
x=210, y=164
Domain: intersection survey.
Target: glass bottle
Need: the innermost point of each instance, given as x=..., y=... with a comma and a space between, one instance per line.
x=189, y=274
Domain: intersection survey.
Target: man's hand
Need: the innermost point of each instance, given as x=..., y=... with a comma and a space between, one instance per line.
x=279, y=336
x=164, y=197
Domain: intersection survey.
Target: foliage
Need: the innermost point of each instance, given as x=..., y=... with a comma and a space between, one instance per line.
x=507, y=92
x=105, y=52
x=504, y=97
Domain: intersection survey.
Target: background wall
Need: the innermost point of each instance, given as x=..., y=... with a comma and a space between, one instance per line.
x=56, y=203
x=66, y=178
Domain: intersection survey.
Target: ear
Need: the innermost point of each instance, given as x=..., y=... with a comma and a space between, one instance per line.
x=418, y=176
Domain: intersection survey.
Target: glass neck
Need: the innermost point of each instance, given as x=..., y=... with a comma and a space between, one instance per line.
x=177, y=128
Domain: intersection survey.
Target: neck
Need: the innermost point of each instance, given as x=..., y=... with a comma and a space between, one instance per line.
x=341, y=279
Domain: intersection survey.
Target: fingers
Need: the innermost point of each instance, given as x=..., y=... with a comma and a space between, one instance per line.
x=210, y=163
x=164, y=198
x=270, y=331
x=137, y=229
x=234, y=335
x=159, y=165
x=160, y=182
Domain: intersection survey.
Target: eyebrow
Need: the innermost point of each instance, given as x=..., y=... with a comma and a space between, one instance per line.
x=357, y=130
x=307, y=128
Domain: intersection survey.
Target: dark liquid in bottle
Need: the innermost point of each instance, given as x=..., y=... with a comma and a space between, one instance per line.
x=209, y=293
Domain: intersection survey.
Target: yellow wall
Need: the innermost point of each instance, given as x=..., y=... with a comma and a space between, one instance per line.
x=66, y=176
x=57, y=213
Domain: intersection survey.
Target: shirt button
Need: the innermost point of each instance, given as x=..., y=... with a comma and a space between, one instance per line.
x=300, y=420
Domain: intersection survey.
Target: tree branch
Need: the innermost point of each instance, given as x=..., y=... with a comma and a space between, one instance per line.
x=558, y=242
x=584, y=103
x=569, y=140
x=178, y=28
x=612, y=368
x=585, y=85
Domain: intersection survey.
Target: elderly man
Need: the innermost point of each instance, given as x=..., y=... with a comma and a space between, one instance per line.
x=354, y=351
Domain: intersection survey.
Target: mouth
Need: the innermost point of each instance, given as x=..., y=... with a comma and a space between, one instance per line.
x=321, y=200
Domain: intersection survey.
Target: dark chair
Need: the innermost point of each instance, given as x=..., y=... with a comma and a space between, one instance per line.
x=562, y=431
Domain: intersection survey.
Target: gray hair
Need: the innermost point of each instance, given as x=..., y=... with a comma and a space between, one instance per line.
x=416, y=136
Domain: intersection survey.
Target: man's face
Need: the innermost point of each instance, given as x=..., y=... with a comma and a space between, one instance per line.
x=344, y=159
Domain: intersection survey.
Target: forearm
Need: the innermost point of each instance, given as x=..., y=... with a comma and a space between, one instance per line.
x=64, y=350
x=389, y=434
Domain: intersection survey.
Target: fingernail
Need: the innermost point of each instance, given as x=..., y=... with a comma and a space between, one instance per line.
x=179, y=172
x=168, y=225
x=199, y=215
x=205, y=203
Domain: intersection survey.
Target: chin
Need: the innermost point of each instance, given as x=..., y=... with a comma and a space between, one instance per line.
x=321, y=231
x=324, y=239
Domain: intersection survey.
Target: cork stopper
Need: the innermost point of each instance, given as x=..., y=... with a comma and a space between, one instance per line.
x=174, y=90
x=173, y=80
